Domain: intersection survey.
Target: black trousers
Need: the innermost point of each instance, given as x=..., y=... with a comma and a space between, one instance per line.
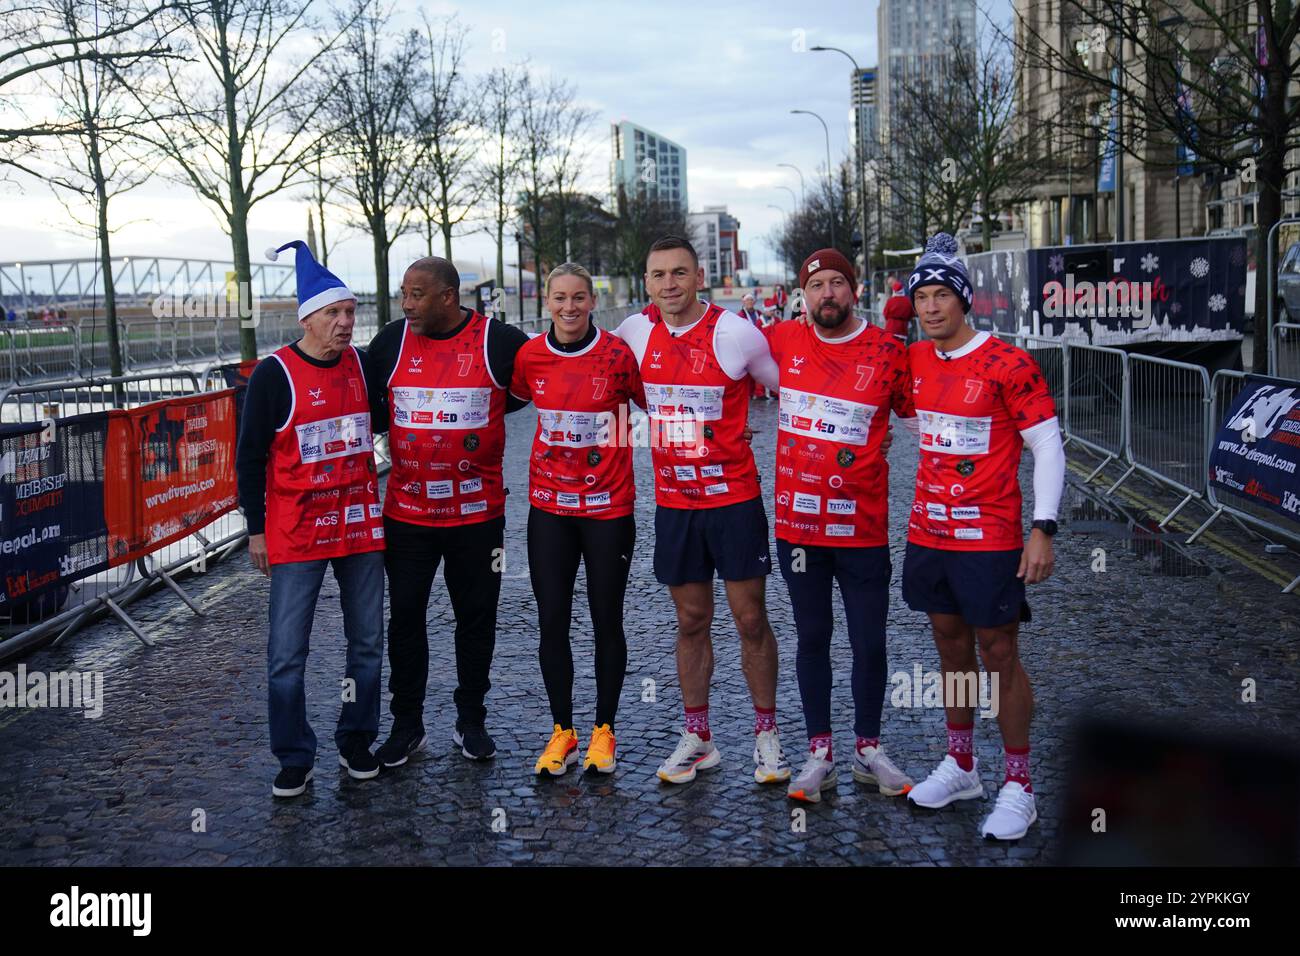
x=472, y=569
x=556, y=544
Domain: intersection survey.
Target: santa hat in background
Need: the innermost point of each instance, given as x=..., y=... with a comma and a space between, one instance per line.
x=317, y=286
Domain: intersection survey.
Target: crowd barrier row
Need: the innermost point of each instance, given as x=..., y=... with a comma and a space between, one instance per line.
x=1150, y=416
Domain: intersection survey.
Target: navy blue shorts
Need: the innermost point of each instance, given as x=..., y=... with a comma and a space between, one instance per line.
x=692, y=543
x=981, y=586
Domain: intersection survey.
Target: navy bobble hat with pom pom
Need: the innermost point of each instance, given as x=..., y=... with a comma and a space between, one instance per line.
x=939, y=265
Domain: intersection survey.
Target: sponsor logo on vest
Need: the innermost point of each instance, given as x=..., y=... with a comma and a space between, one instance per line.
x=354, y=514
x=965, y=467
x=376, y=511
x=315, y=394
x=437, y=489
x=839, y=531
x=935, y=511
x=718, y=489
x=598, y=499
x=835, y=481
x=845, y=457
x=472, y=507
x=542, y=494
x=471, y=486
x=810, y=478
x=956, y=490
x=783, y=499
x=969, y=534
x=841, y=506
x=710, y=471
x=471, y=441
x=377, y=533
x=684, y=472
x=568, y=499
x=807, y=504
x=327, y=521
x=593, y=458
x=967, y=513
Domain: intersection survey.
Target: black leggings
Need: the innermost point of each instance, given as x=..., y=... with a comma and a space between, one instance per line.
x=556, y=543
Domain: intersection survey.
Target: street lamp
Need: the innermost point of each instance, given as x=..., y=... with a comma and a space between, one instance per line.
x=827, y=131
x=793, y=199
x=797, y=170
x=862, y=175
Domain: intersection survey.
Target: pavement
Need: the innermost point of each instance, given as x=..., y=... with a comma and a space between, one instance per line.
x=177, y=769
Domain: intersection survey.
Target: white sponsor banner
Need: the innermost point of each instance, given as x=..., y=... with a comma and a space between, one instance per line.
x=574, y=429
x=438, y=489
x=954, y=434
x=807, y=504
x=441, y=408
x=966, y=513
x=821, y=416
x=669, y=402
x=334, y=437
x=969, y=534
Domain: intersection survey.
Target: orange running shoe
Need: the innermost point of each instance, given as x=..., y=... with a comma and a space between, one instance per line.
x=560, y=754
x=600, y=752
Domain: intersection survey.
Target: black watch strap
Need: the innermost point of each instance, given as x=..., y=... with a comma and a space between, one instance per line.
x=1047, y=526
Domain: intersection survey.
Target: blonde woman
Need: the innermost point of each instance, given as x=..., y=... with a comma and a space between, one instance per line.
x=581, y=495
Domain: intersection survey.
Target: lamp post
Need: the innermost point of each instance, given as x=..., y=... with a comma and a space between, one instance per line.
x=797, y=170
x=794, y=200
x=827, y=131
x=862, y=175
x=784, y=215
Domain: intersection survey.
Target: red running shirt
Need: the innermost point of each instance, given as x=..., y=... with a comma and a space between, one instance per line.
x=971, y=411
x=322, y=499
x=581, y=462
x=832, y=482
x=448, y=430
x=698, y=415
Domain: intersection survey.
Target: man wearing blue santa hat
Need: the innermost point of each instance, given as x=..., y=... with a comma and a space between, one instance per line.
x=310, y=496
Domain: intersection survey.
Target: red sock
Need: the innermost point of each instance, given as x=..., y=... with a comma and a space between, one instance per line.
x=697, y=722
x=817, y=743
x=764, y=719
x=865, y=742
x=961, y=744
x=1018, y=767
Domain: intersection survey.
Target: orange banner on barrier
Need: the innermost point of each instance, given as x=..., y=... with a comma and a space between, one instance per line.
x=169, y=470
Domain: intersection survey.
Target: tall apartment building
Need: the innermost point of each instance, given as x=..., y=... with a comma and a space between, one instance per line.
x=646, y=165
x=716, y=237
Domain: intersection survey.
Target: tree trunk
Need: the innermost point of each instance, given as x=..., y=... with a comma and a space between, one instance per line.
x=986, y=223
x=501, y=254
x=379, y=230
x=1270, y=179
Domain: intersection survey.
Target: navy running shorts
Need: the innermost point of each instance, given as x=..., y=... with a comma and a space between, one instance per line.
x=981, y=586
x=692, y=543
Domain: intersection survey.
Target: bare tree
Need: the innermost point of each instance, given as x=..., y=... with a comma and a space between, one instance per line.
x=372, y=123
x=448, y=118
x=95, y=160
x=809, y=227
x=498, y=167
x=1235, y=60
x=642, y=219
x=37, y=41
x=231, y=123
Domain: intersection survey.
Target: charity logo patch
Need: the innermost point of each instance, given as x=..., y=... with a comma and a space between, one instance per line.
x=965, y=467
x=845, y=457
x=471, y=442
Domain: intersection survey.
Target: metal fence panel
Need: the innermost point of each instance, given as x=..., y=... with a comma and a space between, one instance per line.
x=1166, y=435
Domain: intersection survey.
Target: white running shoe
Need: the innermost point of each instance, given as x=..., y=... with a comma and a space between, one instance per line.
x=692, y=755
x=817, y=772
x=872, y=766
x=948, y=782
x=1013, y=814
x=770, y=765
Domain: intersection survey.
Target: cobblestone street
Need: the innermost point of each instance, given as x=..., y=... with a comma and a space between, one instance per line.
x=184, y=723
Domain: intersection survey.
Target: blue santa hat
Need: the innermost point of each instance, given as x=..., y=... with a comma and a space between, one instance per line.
x=317, y=286
x=939, y=265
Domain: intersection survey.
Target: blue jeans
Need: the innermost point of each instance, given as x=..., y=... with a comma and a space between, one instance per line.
x=295, y=586
x=863, y=575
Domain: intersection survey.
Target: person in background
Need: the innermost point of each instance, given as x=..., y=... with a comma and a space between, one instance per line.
x=898, y=313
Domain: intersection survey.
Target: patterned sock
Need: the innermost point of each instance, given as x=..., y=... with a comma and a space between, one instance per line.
x=1018, y=767
x=864, y=742
x=961, y=744
x=817, y=743
x=697, y=722
x=764, y=719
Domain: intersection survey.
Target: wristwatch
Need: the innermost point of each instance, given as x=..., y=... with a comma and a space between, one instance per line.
x=1047, y=526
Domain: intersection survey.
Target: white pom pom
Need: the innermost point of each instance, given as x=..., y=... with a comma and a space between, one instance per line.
x=942, y=243
x=272, y=253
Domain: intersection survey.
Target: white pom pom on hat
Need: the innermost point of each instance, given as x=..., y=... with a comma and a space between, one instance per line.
x=942, y=243
x=272, y=253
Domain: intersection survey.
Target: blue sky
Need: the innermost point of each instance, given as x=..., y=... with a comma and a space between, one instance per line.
x=720, y=79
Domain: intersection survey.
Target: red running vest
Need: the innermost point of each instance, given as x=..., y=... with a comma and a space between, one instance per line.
x=322, y=495
x=698, y=414
x=970, y=412
x=832, y=482
x=447, y=430
x=582, y=461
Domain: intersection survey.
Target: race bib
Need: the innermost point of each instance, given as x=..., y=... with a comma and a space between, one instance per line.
x=334, y=437
x=441, y=407
x=821, y=416
x=691, y=402
x=574, y=429
x=954, y=434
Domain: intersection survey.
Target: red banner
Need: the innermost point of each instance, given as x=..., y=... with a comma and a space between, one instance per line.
x=169, y=470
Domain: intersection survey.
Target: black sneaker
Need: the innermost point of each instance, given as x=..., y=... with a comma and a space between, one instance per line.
x=401, y=743
x=359, y=762
x=291, y=781
x=473, y=741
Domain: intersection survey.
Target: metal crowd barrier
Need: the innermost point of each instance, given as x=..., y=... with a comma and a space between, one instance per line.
x=1284, y=351
x=1095, y=402
x=1166, y=435
x=1225, y=386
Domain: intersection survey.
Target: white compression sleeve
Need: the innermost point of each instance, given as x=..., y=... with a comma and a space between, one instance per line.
x=1044, y=441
